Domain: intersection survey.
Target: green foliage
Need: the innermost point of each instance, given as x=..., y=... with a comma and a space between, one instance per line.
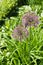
x=36, y=2
x=26, y=52
x=5, y=7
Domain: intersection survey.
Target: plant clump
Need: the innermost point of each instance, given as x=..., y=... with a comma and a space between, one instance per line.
x=5, y=7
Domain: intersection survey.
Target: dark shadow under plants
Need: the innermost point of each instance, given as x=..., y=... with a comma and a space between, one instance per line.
x=13, y=12
x=2, y=22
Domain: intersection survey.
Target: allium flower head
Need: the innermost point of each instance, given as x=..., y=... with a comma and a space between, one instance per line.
x=30, y=19
x=20, y=33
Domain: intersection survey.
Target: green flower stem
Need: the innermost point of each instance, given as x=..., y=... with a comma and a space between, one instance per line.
x=30, y=33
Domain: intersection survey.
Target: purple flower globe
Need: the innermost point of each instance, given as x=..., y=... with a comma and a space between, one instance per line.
x=30, y=19
x=20, y=33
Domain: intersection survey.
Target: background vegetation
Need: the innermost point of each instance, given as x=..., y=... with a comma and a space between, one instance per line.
x=26, y=52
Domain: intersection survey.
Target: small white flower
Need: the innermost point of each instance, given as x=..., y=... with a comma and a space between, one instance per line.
x=8, y=53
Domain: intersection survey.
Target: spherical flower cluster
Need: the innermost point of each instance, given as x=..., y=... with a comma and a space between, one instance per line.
x=20, y=33
x=30, y=19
